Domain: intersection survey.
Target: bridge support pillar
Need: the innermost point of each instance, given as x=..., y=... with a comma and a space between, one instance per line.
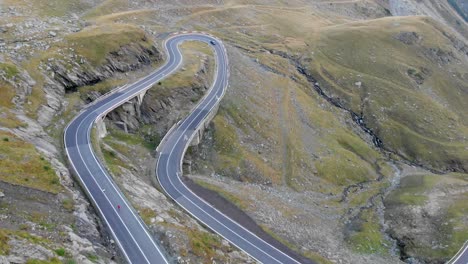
x=197, y=138
x=123, y=125
x=101, y=127
x=199, y=134
x=140, y=97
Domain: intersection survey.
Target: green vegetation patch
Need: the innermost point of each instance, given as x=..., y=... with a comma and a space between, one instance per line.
x=193, y=51
x=204, y=244
x=53, y=260
x=92, y=258
x=21, y=164
x=96, y=42
x=449, y=227
x=68, y=204
x=356, y=145
x=9, y=120
x=343, y=157
x=361, y=197
x=7, y=92
x=121, y=136
x=232, y=159
x=4, y=246
x=226, y=144
x=9, y=70
x=115, y=135
x=112, y=161
x=60, y=252
x=366, y=236
x=123, y=146
x=5, y=235
x=30, y=237
x=225, y=137
x=396, y=85
x=412, y=190
x=147, y=214
x=334, y=170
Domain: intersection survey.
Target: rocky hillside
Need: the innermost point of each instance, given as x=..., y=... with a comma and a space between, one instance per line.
x=342, y=119
x=44, y=214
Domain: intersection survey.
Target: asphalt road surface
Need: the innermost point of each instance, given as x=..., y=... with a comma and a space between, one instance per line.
x=462, y=256
x=169, y=163
x=126, y=227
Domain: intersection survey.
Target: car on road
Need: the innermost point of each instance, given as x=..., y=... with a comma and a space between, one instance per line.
x=212, y=42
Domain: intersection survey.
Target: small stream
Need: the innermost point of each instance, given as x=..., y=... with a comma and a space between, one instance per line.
x=394, y=183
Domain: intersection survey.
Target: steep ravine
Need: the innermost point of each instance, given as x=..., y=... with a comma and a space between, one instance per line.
x=376, y=202
x=128, y=150
x=357, y=118
x=400, y=244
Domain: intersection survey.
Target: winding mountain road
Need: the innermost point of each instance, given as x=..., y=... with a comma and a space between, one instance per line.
x=126, y=227
x=461, y=257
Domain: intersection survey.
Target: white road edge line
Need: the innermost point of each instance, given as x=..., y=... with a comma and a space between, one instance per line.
x=105, y=172
x=132, y=93
x=459, y=254
x=209, y=215
x=82, y=182
x=92, y=198
x=105, y=195
x=201, y=101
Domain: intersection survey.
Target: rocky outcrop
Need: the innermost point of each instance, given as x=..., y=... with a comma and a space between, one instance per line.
x=67, y=75
x=163, y=105
x=81, y=73
x=409, y=38
x=65, y=220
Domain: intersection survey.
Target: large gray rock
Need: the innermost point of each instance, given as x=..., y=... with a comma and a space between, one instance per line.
x=162, y=106
x=129, y=58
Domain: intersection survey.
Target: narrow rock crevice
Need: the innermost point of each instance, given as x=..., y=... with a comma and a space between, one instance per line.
x=359, y=119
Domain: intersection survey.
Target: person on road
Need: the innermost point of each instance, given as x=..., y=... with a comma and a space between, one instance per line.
x=118, y=206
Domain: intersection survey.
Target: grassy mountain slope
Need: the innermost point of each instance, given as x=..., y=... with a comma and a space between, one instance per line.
x=279, y=148
x=407, y=81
